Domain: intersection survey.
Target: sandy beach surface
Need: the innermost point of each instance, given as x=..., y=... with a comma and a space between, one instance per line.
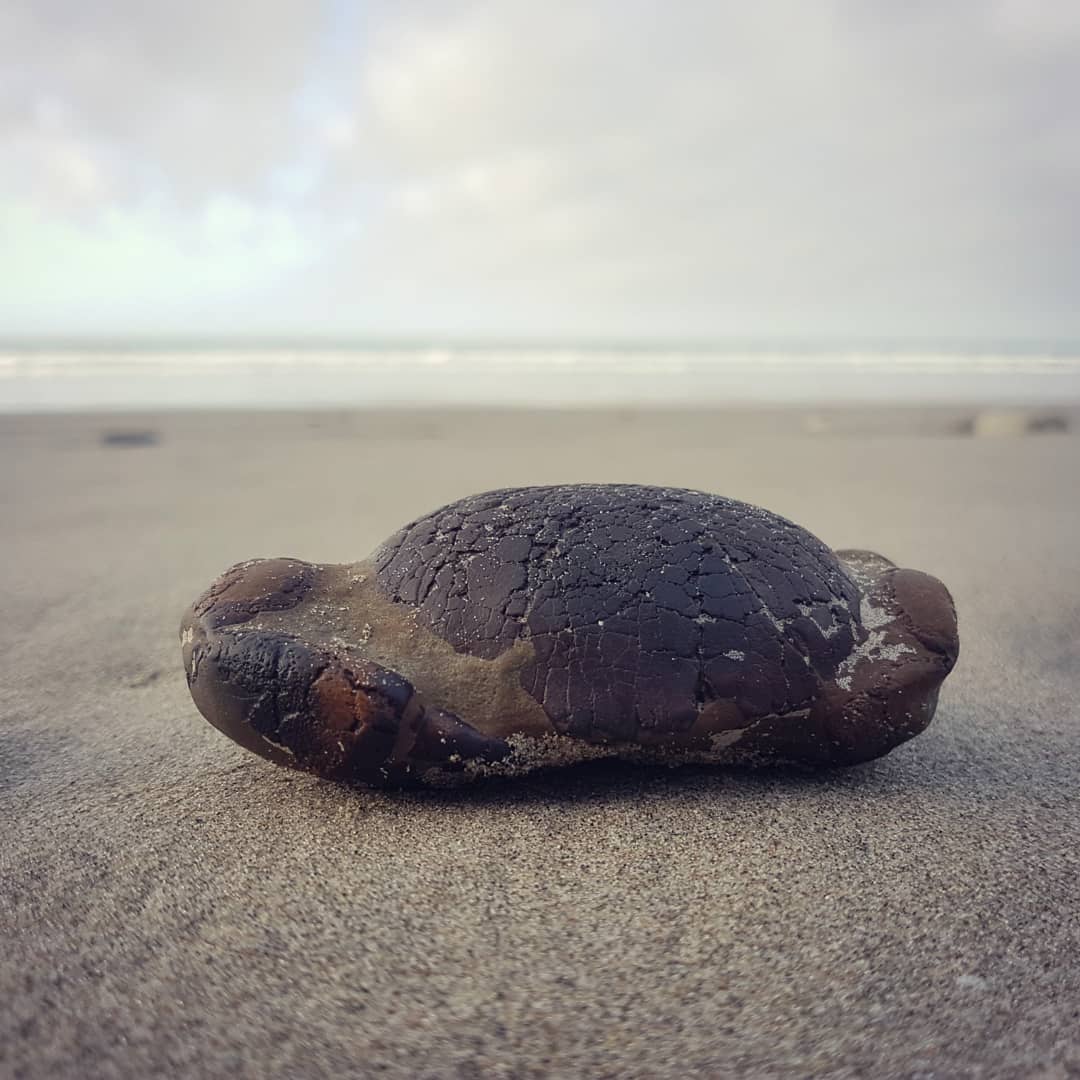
x=173, y=906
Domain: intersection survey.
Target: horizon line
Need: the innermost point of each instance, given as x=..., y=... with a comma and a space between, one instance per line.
x=300, y=343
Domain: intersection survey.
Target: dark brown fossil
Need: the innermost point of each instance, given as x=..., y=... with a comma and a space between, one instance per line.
x=548, y=625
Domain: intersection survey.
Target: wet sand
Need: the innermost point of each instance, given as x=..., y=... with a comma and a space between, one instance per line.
x=171, y=905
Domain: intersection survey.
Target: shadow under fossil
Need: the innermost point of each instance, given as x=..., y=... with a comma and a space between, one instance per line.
x=611, y=778
x=961, y=763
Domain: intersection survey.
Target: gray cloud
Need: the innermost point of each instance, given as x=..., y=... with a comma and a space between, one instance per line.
x=834, y=170
x=184, y=96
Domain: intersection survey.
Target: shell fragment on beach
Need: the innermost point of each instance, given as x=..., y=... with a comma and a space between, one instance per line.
x=541, y=626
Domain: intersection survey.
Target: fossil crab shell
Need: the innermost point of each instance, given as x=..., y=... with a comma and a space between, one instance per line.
x=547, y=625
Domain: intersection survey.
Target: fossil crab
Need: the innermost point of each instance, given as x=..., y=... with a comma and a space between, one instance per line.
x=546, y=625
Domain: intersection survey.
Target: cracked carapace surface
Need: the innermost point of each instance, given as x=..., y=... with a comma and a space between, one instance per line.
x=547, y=625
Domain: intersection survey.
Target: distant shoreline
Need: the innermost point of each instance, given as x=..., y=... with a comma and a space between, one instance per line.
x=65, y=380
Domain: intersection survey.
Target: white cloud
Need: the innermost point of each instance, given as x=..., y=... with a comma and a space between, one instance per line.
x=338, y=130
x=780, y=168
x=142, y=266
x=696, y=170
x=198, y=93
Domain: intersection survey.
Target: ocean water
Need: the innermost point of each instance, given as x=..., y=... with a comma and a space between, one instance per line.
x=51, y=380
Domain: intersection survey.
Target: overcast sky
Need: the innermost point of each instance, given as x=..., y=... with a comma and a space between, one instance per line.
x=812, y=170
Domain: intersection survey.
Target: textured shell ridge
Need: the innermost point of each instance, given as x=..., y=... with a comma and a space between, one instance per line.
x=643, y=603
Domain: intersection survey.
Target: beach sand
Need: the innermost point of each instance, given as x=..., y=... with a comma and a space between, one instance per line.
x=173, y=906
